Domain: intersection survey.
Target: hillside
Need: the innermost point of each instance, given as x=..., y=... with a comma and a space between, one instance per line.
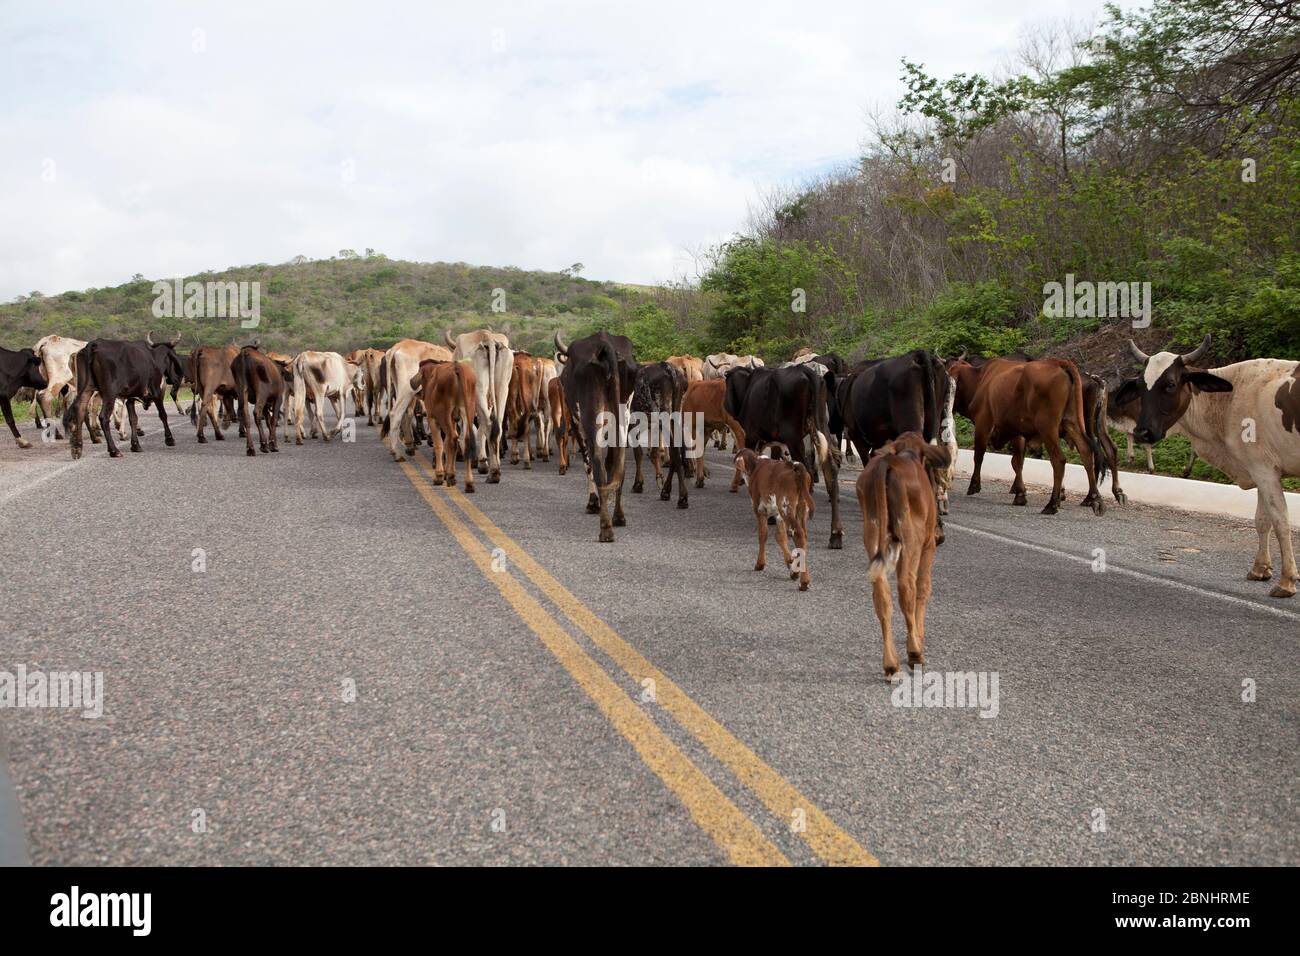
x=338, y=304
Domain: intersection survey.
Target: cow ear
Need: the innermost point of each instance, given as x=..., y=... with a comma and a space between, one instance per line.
x=1206, y=381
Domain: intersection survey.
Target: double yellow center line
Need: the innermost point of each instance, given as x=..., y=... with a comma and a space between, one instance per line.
x=726, y=824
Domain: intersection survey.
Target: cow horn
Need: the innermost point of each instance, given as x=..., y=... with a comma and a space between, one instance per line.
x=1194, y=356
x=1137, y=352
x=446, y=334
x=148, y=337
x=962, y=357
x=176, y=340
x=559, y=346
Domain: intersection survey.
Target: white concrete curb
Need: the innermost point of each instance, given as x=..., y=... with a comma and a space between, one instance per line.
x=1182, y=493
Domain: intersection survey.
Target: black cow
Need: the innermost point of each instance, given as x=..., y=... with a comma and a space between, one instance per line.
x=788, y=405
x=599, y=375
x=21, y=369
x=883, y=399
x=131, y=371
x=658, y=394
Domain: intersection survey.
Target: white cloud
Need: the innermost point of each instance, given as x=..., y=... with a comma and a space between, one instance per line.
x=535, y=135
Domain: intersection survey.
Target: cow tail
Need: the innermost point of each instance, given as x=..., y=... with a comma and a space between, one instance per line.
x=494, y=412
x=887, y=543
x=931, y=422
x=1091, y=437
x=241, y=382
x=383, y=391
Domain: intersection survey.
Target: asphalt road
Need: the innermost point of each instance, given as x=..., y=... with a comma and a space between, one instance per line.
x=524, y=694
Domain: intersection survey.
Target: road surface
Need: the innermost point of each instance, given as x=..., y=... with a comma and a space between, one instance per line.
x=371, y=670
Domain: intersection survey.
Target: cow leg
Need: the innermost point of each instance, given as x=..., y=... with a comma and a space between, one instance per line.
x=133, y=424
x=1053, y=448
x=1151, y=465
x=981, y=443
x=783, y=542
x=1191, y=460
x=1018, y=465
x=525, y=422
x=259, y=418
x=46, y=404
x=158, y=399
x=885, y=614
x=9, y=420
x=1112, y=458
x=761, y=563
x=905, y=574
x=638, y=484
x=272, y=420
x=106, y=426
x=676, y=466
x=616, y=479
x=1269, y=491
x=1084, y=448
x=800, y=529
x=1262, y=569
x=916, y=641
x=830, y=471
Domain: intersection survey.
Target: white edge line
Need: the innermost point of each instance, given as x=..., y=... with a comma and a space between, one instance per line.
x=14, y=492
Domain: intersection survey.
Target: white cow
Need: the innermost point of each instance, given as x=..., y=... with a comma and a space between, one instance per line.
x=55, y=353
x=490, y=356
x=1243, y=419
x=319, y=377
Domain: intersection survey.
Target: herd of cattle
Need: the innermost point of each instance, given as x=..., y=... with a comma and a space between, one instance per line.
x=792, y=425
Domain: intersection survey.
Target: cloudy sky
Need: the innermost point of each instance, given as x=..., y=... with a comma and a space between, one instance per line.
x=167, y=138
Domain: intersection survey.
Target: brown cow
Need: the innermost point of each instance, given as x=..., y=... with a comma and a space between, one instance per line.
x=705, y=398
x=446, y=390
x=899, y=524
x=781, y=490
x=692, y=367
x=523, y=404
x=1036, y=402
x=561, y=425
x=212, y=375
x=259, y=380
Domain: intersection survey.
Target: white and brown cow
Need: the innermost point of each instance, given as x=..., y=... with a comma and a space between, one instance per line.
x=493, y=361
x=401, y=364
x=1243, y=419
x=718, y=364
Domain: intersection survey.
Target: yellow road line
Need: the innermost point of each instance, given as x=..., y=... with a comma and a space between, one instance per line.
x=728, y=826
x=826, y=838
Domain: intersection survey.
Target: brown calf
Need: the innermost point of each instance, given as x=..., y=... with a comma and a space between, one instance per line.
x=780, y=490
x=523, y=402
x=561, y=424
x=899, y=517
x=706, y=398
x=446, y=389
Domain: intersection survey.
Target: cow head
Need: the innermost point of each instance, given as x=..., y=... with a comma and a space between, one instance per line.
x=31, y=374
x=1165, y=389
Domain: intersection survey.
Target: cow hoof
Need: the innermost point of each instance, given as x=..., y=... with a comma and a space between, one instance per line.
x=1259, y=574
x=700, y=484
x=482, y=469
x=760, y=566
x=837, y=541
x=803, y=585
x=1121, y=498
x=469, y=489
x=528, y=466
x=219, y=437
x=136, y=449
x=169, y=441
x=1098, y=506
x=202, y=440
x=794, y=575
x=23, y=443
x=1282, y=591
x=263, y=447
x=638, y=487
x=606, y=536
x=620, y=521
x=251, y=453
x=494, y=478
x=972, y=489
x=915, y=660
x=275, y=448
x=1050, y=509
x=1020, y=500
